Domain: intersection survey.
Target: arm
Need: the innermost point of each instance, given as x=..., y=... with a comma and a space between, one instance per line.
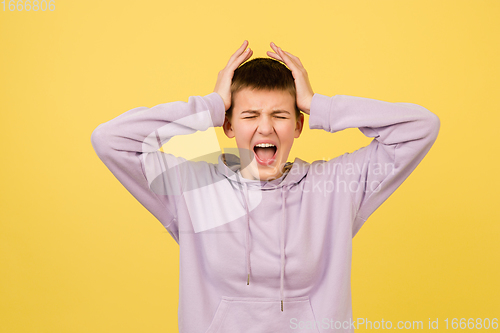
x=128, y=145
x=403, y=134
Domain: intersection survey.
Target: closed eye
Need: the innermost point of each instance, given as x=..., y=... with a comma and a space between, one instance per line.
x=256, y=116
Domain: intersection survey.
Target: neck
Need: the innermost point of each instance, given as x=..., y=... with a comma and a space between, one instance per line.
x=248, y=174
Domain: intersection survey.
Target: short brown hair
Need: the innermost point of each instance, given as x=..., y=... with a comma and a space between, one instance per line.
x=263, y=74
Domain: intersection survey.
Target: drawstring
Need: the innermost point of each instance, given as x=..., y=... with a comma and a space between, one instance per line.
x=282, y=241
x=247, y=240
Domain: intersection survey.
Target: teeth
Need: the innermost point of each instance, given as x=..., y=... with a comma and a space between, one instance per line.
x=265, y=145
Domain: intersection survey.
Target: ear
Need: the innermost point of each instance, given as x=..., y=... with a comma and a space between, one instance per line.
x=299, y=125
x=228, y=128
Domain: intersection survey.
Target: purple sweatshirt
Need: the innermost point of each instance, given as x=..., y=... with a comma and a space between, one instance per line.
x=265, y=256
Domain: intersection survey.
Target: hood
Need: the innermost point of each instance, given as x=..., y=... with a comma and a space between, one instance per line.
x=229, y=165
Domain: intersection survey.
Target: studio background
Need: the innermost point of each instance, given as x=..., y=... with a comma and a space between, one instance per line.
x=78, y=253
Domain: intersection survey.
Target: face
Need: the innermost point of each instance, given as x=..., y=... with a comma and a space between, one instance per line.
x=263, y=117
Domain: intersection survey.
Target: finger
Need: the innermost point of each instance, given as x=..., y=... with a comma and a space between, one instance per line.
x=242, y=48
x=248, y=54
x=231, y=67
x=295, y=58
x=238, y=61
x=287, y=59
x=274, y=55
x=243, y=57
x=238, y=52
x=292, y=62
x=275, y=49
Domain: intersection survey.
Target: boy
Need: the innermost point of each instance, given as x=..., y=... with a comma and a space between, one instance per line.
x=265, y=244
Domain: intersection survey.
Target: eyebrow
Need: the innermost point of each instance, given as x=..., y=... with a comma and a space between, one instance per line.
x=257, y=111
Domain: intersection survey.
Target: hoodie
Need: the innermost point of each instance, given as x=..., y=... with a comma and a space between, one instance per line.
x=265, y=256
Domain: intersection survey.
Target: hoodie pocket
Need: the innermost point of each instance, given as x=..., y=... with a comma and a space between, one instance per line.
x=262, y=315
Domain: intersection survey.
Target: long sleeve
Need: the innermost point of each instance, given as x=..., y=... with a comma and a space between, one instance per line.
x=129, y=147
x=403, y=134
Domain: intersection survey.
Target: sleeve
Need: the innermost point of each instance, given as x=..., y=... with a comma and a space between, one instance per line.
x=403, y=134
x=129, y=147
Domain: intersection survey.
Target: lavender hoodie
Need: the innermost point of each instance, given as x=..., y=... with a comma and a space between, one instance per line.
x=259, y=256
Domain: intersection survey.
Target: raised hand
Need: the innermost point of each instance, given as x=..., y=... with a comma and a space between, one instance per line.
x=224, y=79
x=302, y=84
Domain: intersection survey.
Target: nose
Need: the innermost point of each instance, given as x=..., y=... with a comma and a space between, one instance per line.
x=265, y=125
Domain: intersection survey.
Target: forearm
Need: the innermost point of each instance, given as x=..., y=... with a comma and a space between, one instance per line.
x=128, y=146
x=403, y=134
x=146, y=130
x=389, y=123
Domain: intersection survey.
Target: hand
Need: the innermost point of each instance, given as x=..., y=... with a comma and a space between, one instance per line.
x=224, y=79
x=302, y=84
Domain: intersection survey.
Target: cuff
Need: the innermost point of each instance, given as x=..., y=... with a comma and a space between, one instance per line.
x=319, y=115
x=216, y=107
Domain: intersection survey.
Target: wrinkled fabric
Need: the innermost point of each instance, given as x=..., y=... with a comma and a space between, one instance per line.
x=265, y=256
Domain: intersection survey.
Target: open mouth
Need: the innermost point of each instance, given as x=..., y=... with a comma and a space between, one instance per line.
x=265, y=153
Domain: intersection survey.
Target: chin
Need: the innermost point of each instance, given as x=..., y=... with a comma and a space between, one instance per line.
x=265, y=172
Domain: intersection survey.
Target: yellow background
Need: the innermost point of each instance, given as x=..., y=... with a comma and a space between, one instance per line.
x=79, y=254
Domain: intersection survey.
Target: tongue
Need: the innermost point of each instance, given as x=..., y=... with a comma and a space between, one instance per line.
x=265, y=153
